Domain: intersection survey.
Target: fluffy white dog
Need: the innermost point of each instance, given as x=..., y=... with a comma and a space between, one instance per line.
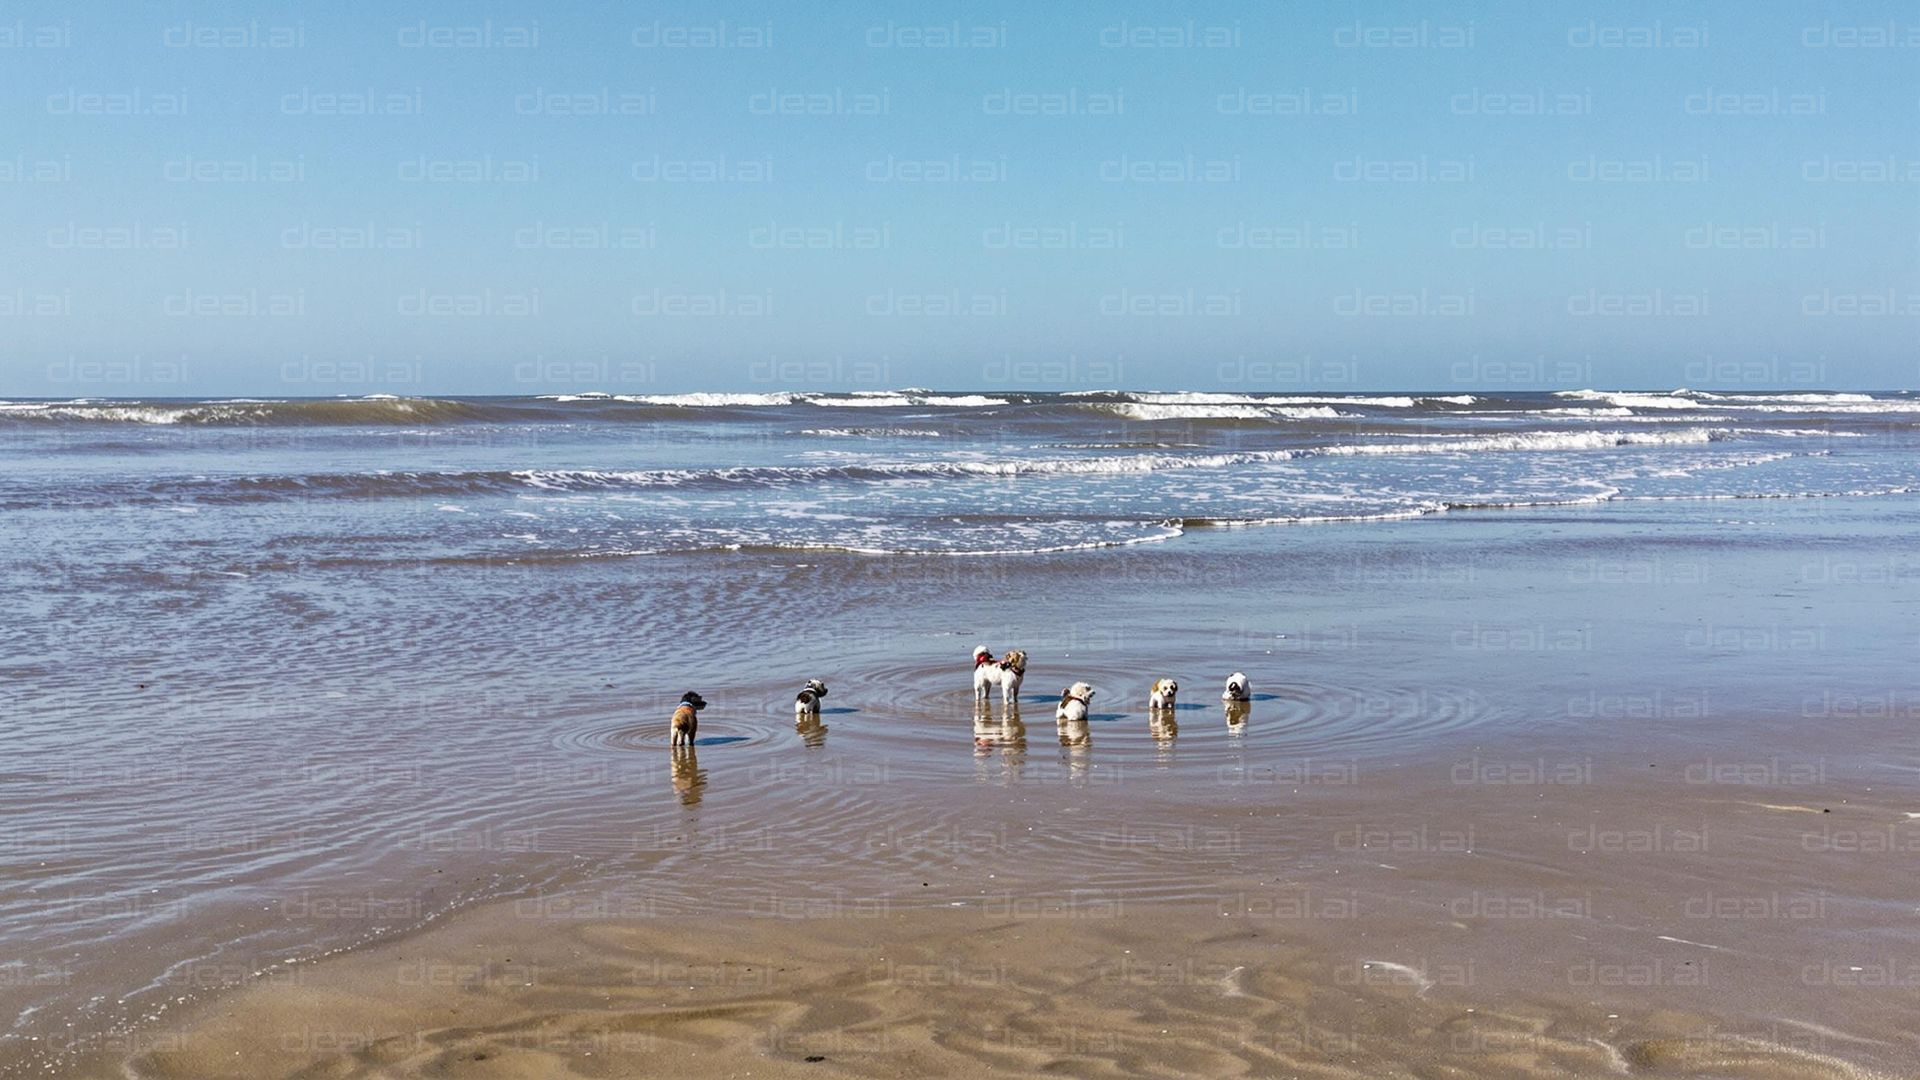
x=1073, y=703
x=1005, y=673
x=1162, y=695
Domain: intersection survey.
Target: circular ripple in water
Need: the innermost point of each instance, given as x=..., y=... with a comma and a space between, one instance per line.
x=1296, y=717
x=656, y=735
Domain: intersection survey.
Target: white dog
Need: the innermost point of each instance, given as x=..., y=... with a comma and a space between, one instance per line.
x=1006, y=672
x=1162, y=695
x=1237, y=689
x=1073, y=703
x=807, y=703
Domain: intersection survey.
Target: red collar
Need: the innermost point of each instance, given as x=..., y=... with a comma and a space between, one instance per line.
x=1081, y=700
x=985, y=658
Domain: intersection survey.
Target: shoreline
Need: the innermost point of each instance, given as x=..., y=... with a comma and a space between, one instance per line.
x=1613, y=743
x=946, y=993
x=1404, y=951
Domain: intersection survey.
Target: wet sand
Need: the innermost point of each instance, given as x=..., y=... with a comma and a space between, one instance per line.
x=1575, y=791
x=1643, y=925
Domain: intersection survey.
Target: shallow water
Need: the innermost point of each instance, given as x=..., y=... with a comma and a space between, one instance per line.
x=289, y=678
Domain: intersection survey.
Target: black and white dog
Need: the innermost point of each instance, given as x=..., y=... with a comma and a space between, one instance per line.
x=807, y=703
x=1237, y=688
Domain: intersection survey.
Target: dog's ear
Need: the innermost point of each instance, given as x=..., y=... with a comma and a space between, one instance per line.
x=1066, y=696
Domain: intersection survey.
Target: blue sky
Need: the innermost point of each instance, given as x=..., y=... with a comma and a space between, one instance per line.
x=1248, y=196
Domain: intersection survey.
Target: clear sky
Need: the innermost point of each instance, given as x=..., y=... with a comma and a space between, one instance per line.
x=348, y=197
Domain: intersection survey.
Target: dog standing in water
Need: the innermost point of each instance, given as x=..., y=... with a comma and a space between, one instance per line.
x=1006, y=671
x=686, y=718
x=1073, y=703
x=1162, y=695
x=1237, y=688
x=807, y=702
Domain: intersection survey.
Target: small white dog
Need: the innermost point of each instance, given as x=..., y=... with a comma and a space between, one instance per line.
x=1005, y=672
x=1237, y=689
x=807, y=703
x=1162, y=695
x=1073, y=703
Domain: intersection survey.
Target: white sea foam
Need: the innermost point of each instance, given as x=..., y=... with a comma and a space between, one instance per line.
x=1630, y=400
x=882, y=399
x=1758, y=401
x=1158, y=411
x=857, y=399
x=1540, y=440
x=710, y=401
x=873, y=433
x=1835, y=398
x=1113, y=465
x=1198, y=397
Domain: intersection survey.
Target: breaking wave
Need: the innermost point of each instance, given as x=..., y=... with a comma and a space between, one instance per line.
x=456, y=483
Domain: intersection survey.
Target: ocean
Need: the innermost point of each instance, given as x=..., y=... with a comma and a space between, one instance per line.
x=291, y=678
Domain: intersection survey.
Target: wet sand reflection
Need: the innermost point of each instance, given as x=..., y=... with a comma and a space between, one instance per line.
x=689, y=779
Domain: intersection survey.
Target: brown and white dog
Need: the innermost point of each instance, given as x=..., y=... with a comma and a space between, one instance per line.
x=1161, y=696
x=1073, y=703
x=686, y=718
x=1005, y=672
x=807, y=702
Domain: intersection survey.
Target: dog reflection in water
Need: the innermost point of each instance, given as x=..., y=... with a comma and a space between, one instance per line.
x=1007, y=732
x=1237, y=717
x=689, y=779
x=1004, y=740
x=812, y=732
x=1076, y=743
x=1163, y=727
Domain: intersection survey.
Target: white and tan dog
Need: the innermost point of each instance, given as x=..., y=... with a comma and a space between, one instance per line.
x=807, y=702
x=1073, y=703
x=1162, y=695
x=1237, y=688
x=1005, y=672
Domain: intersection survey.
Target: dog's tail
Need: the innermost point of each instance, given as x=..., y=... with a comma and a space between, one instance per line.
x=1015, y=661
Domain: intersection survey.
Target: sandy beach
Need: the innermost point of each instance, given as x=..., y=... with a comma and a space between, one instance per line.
x=1623, y=785
x=1409, y=954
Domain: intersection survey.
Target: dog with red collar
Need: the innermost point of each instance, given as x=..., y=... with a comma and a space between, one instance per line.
x=686, y=718
x=1073, y=703
x=1005, y=673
